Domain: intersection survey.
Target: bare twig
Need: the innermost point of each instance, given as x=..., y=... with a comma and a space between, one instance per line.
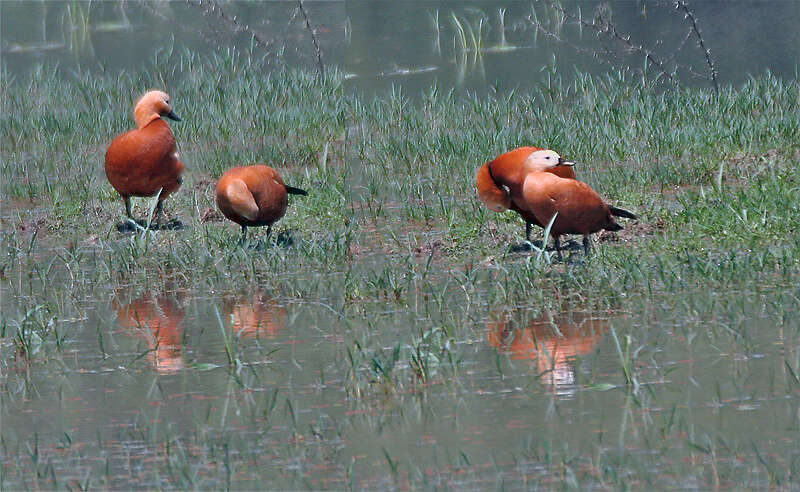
x=320, y=64
x=212, y=7
x=606, y=31
x=593, y=53
x=681, y=5
x=602, y=26
x=680, y=47
x=638, y=48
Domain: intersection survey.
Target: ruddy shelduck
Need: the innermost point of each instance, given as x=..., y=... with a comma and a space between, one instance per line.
x=577, y=208
x=499, y=183
x=253, y=196
x=145, y=160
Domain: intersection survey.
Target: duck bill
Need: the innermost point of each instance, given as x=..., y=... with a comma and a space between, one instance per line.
x=173, y=116
x=562, y=162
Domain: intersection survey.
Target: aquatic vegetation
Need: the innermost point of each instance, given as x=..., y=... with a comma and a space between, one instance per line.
x=389, y=333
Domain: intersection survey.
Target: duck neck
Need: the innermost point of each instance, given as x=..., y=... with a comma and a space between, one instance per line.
x=144, y=116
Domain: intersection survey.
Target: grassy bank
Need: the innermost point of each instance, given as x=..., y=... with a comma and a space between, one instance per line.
x=397, y=270
x=403, y=166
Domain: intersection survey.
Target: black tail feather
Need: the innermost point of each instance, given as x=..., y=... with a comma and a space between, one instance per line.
x=295, y=191
x=618, y=212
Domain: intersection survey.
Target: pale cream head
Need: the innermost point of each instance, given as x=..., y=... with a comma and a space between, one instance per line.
x=543, y=160
x=152, y=105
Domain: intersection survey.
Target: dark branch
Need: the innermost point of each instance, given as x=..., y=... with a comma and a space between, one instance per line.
x=212, y=7
x=680, y=4
x=603, y=26
x=607, y=32
x=320, y=64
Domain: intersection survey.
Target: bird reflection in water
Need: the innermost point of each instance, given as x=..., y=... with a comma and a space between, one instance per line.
x=552, y=343
x=159, y=322
x=255, y=316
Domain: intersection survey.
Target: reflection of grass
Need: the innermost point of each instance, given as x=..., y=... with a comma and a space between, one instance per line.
x=76, y=27
x=461, y=41
x=437, y=31
x=502, y=46
x=392, y=271
x=469, y=35
x=468, y=39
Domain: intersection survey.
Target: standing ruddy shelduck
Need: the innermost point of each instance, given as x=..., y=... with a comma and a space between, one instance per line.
x=143, y=161
x=253, y=196
x=579, y=209
x=499, y=183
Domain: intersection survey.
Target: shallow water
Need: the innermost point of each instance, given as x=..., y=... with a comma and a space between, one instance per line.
x=142, y=394
x=410, y=45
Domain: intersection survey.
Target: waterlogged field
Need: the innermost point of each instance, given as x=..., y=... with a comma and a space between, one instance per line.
x=393, y=332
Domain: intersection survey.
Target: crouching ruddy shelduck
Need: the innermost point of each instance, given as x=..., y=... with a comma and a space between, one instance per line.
x=253, y=196
x=577, y=208
x=145, y=160
x=499, y=183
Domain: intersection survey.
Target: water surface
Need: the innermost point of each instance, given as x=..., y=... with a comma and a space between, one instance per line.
x=480, y=46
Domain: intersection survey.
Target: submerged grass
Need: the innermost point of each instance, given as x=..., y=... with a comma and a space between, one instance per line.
x=395, y=268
